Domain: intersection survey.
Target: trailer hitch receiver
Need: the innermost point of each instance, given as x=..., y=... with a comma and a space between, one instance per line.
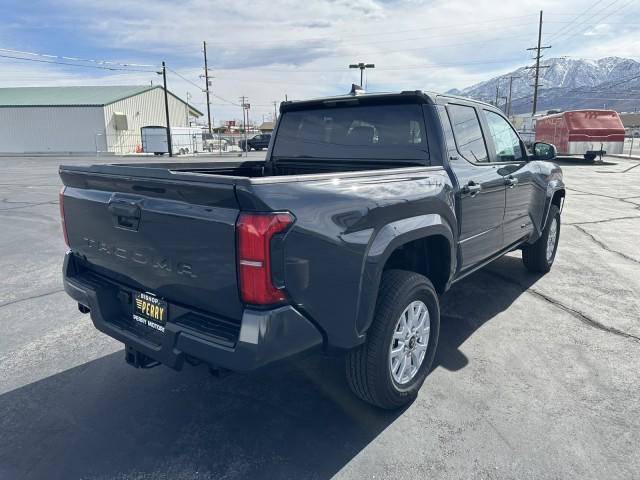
x=138, y=359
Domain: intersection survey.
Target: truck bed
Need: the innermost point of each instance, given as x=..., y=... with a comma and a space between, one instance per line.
x=235, y=172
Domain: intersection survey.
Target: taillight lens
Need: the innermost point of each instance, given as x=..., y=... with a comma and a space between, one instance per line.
x=64, y=225
x=255, y=231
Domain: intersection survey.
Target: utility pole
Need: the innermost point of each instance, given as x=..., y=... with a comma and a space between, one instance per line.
x=497, y=91
x=505, y=99
x=206, y=80
x=362, y=66
x=537, y=66
x=508, y=110
x=186, y=108
x=166, y=109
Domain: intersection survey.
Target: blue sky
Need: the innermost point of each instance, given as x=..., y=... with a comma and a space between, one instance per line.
x=269, y=49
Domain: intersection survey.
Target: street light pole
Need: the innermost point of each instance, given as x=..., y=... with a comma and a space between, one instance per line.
x=245, y=114
x=362, y=66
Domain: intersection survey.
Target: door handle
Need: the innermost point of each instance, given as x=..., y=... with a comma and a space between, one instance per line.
x=471, y=188
x=511, y=181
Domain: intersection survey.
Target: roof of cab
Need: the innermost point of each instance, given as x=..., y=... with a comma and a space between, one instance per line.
x=353, y=98
x=465, y=99
x=425, y=96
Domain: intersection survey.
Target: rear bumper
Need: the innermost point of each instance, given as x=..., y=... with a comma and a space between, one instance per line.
x=265, y=336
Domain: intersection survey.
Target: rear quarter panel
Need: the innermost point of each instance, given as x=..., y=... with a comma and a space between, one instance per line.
x=346, y=227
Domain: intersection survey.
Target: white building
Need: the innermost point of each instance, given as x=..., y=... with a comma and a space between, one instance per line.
x=84, y=119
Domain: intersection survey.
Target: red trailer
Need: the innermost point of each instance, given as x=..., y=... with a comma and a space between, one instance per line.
x=582, y=132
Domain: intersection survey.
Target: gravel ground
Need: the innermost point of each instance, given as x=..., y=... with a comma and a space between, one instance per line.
x=535, y=377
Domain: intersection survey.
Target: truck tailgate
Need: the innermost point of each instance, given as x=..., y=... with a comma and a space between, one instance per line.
x=172, y=238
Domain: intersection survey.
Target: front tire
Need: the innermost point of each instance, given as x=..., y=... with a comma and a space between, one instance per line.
x=539, y=256
x=403, y=335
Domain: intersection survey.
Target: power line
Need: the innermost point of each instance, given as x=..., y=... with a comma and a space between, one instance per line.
x=76, y=59
x=623, y=81
x=185, y=78
x=200, y=88
x=574, y=19
x=573, y=30
x=225, y=100
x=38, y=60
x=602, y=19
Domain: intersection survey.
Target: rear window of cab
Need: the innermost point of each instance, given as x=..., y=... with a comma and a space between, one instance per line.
x=371, y=132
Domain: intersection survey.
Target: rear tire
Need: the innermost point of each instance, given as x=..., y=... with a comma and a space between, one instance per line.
x=370, y=368
x=539, y=256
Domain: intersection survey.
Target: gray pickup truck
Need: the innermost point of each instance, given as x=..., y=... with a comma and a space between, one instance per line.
x=366, y=208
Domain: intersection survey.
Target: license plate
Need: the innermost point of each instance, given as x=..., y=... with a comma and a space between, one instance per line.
x=149, y=310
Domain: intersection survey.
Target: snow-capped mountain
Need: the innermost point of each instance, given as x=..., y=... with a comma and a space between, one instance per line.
x=567, y=83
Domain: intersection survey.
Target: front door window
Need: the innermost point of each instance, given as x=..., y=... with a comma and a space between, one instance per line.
x=505, y=140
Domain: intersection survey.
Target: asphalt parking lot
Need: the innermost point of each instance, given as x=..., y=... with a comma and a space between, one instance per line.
x=535, y=377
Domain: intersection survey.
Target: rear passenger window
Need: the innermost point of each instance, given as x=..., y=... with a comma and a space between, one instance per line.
x=446, y=128
x=467, y=132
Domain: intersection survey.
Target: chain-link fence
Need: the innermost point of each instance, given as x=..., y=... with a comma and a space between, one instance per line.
x=130, y=142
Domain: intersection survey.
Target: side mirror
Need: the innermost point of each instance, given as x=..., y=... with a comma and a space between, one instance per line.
x=544, y=151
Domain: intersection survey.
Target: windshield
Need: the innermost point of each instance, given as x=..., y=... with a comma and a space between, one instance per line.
x=353, y=132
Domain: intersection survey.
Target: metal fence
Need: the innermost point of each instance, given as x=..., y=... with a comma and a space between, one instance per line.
x=632, y=144
x=130, y=143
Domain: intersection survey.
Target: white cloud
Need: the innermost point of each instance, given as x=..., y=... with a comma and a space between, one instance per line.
x=601, y=29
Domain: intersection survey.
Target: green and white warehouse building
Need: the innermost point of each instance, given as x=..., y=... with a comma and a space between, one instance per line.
x=84, y=119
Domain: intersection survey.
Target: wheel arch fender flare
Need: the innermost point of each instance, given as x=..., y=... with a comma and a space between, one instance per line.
x=381, y=247
x=554, y=187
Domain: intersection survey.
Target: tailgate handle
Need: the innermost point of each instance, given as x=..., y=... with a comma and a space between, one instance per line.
x=124, y=209
x=125, y=214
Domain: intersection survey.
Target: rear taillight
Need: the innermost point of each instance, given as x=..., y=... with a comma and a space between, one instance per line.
x=64, y=225
x=255, y=231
